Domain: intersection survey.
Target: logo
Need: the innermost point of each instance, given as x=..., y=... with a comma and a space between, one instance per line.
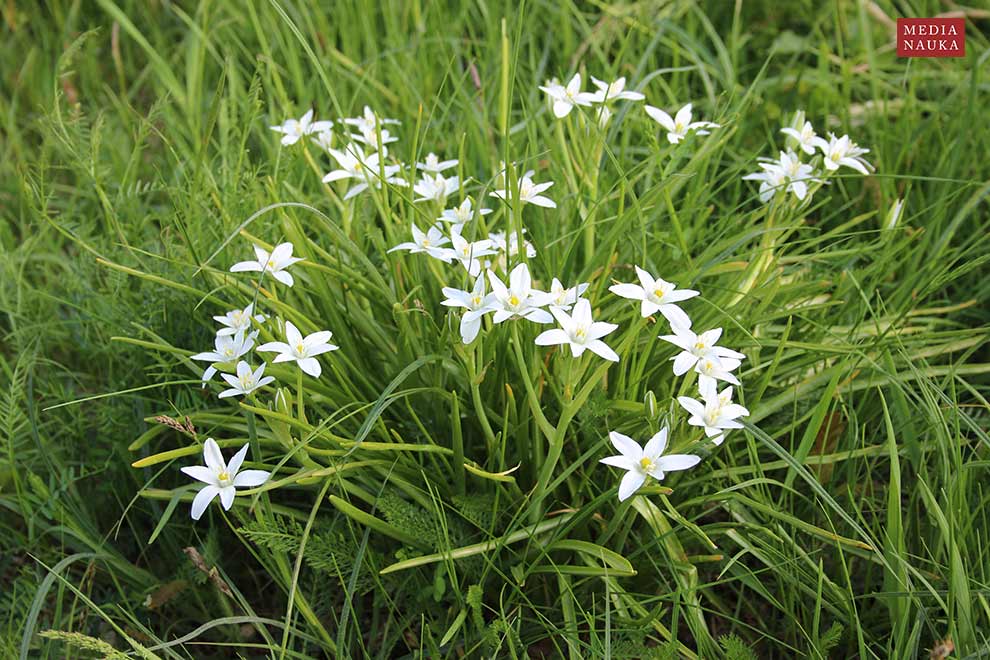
x=931, y=37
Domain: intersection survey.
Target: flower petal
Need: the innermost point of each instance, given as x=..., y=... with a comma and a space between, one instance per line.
x=630, y=484
x=235, y=463
x=202, y=500
x=626, y=445
x=212, y=456
x=251, y=478
x=200, y=473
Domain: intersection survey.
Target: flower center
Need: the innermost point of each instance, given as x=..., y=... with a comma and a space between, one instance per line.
x=300, y=348
x=659, y=292
x=646, y=463
x=476, y=300
x=271, y=264
x=229, y=352
x=224, y=478
x=514, y=300
x=426, y=242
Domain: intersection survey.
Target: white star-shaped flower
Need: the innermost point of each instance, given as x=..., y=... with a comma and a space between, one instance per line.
x=468, y=252
x=462, y=214
x=843, y=151
x=246, y=380
x=805, y=139
x=293, y=129
x=273, y=263
x=433, y=165
x=702, y=349
x=237, y=320
x=436, y=188
x=519, y=299
x=365, y=169
x=579, y=331
x=221, y=478
x=431, y=242
x=562, y=297
x=226, y=349
x=657, y=295
x=477, y=304
x=643, y=462
x=529, y=192
x=680, y=125
x=613, y=91
x=302, y=350
x=564, y=98
x=716, y=412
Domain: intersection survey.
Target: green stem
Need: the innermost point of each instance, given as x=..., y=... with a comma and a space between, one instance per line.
x=534, y=400
x=301, y=407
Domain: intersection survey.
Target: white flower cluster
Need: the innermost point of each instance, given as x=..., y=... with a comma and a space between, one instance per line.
x=237, y=334
x=699, y=352
x=564, y=98
x=787, y=174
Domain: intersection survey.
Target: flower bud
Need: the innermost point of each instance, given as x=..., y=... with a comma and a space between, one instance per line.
x=650, y=404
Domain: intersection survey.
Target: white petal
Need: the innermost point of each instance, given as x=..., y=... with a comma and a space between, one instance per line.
x=656, y=444
x=600, y=348
x=626, y=446
x=675, y=315
x=251, y=478
x=200, y=473
x=677, y=462
x=630, y=484
x=227, y=497
x=623, y=462
x=202, y=500
x=311, y=366
x=284, y=277
x=683, y=363
x=235, y=462
x=212, y=456
x=552, y=338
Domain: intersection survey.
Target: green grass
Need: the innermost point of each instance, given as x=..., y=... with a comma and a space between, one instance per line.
x=847, y=520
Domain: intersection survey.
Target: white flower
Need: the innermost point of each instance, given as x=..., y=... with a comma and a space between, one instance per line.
x=226, y=349
x=370, y=137
x=613, y=91
x=301, y=349
x=678, y=127
x=805, y=138
x=579, y=331
x=366, y=169
x=274, y=263
x=430, y=242
x=562, y=297
x=798, y=174
x=324, y=140
x=237, y=320
x=467, y=252
x=434, y=165
x=462, y=214
x=716, y=414
x=565, y=98
x=701, y=348
x=368, y=121
x=293, y=129
x=771, y=179
x=843, y=151
x=246, y=381
x=711, y=368
x=511, y=246
x=529, y=192
x=657, y=295
x=475, y=302
x=519, y=299
x=643, y=462
x=221, y=478
x=436, y=188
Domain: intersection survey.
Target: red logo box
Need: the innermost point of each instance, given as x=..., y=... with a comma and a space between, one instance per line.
x=931, y=37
